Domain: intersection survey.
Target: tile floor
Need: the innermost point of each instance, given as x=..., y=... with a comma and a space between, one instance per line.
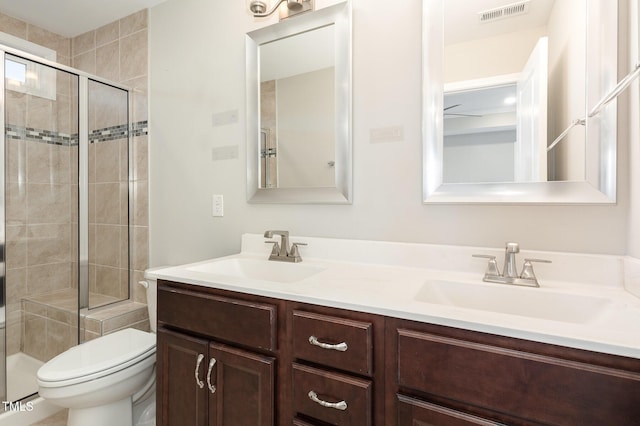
x=58, y=419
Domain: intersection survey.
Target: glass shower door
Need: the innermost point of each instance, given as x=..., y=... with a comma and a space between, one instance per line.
x=41, y=219
x=108, y=194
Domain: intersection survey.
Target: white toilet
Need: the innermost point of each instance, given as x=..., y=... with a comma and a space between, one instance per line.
x=109, y=380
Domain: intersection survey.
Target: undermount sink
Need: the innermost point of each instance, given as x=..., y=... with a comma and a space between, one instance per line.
x=255, y=269
x=522, y=301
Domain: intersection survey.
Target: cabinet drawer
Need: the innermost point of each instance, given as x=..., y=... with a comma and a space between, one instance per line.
x=415, y=412
x=332, y=388
x=227, y=319
x=337, y=342
x=536, y=387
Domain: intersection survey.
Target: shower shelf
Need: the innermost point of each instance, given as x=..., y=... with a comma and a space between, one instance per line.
x=52, y=318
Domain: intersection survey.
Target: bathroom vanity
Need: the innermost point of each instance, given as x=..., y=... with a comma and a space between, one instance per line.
x=264, y=365
x=346, y=343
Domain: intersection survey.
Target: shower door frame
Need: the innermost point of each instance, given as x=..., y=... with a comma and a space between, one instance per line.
x=83, y=182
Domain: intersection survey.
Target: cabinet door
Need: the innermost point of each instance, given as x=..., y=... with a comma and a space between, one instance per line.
x=243, y=387
x=181, y=368
x=419, y=413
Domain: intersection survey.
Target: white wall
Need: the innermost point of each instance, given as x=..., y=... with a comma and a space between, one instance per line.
x=488, y=57
x=479, y=157
x=306, y=123
x=197, y=60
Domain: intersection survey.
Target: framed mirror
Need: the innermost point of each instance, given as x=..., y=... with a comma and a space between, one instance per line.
x=299, y=109
x=511, y=101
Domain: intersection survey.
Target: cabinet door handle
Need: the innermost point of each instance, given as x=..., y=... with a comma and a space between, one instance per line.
x=342, y=405
x=212, y=388
x=199, y=382
x=339, y=347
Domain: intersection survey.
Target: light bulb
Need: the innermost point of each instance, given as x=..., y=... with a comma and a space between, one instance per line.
x=294, y=5
x=258, y=6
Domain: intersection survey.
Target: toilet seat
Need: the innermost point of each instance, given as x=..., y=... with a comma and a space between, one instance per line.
x=98, y=358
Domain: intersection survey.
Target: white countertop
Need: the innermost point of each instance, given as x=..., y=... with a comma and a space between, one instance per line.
x=385, y=278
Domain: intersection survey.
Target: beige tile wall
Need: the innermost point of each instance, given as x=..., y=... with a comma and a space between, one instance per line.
x=34, y=34
x=118, y=51
x=50, y=328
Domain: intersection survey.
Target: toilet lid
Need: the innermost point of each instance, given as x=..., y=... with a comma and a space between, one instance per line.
x=108, y=354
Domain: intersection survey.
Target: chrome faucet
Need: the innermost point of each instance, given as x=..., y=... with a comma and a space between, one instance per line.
x=510, y=268
x=510, y=272
x=281, y=251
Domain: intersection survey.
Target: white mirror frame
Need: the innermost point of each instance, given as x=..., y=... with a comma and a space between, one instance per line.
x=340, y=16
x=599, y=186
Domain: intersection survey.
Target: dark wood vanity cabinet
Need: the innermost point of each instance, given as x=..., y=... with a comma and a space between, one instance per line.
x=272, y=361
x=226, y=358
x=471, y=378
x=216, y=359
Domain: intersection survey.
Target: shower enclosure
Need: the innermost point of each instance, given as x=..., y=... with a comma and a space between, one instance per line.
x=64, y=220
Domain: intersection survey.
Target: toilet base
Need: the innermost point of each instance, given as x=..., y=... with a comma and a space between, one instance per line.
x=117, y=413
x=144, y=410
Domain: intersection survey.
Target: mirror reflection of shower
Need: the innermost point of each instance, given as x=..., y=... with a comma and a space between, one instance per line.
x=66, y=210
x=268, y=159
x=297, y=110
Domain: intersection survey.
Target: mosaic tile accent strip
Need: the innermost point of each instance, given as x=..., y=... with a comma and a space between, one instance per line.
x=44, y=136
x=108, y=134
x=139, y=128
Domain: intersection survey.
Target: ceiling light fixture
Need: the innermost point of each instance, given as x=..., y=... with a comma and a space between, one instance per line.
x=260, y=8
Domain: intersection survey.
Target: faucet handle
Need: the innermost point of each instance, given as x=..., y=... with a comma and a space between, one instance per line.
x=276, y=247
x=295, y=253
x=527, y=268
x=492, y=266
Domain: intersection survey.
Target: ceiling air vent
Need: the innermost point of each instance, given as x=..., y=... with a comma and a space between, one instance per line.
x=502, y=12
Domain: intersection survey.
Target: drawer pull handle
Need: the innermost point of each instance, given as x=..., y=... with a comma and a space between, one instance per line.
x=199, y=382
x=339, y=347
x=342, y=405
x=212, y=388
